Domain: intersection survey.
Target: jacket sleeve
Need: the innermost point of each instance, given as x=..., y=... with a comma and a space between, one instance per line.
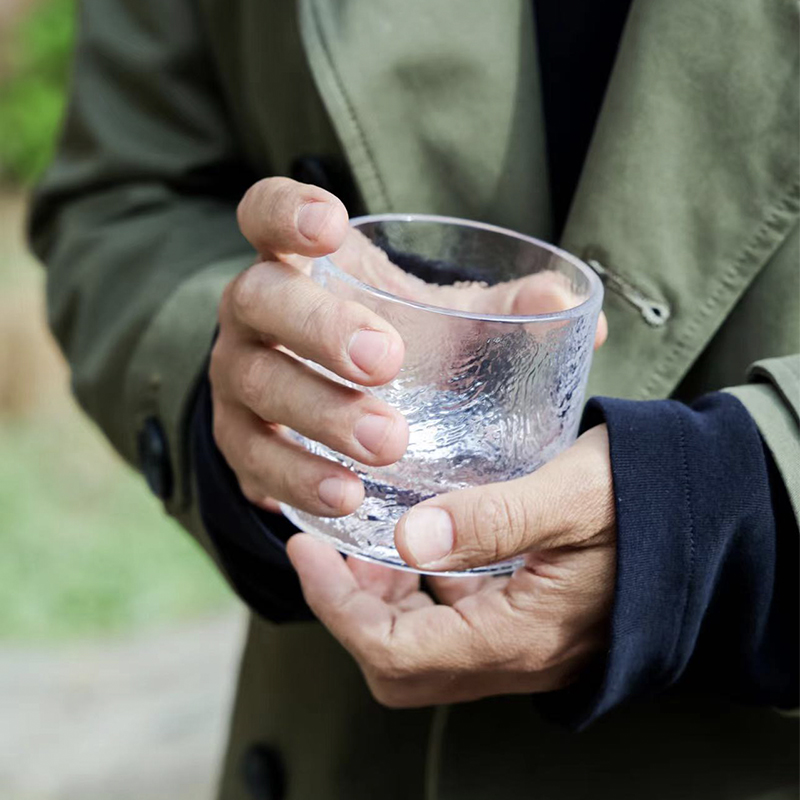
x=772, y=397
x=135, y=220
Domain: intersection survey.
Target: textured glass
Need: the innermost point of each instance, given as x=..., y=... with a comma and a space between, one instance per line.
x=498, y=330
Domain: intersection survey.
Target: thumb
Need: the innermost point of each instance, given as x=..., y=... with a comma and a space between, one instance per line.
x=562, y=503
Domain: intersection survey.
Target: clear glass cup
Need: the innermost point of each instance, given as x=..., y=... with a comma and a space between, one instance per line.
x=498, y=329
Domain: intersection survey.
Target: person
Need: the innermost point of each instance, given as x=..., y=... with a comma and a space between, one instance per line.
x=649, y=647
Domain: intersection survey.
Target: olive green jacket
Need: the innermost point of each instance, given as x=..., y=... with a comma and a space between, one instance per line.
x=688, y=205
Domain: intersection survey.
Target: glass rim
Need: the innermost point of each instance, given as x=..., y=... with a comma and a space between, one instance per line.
x=584, y=308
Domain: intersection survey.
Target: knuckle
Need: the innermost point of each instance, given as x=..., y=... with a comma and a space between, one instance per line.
x=322, y=326
x=216, y=363
x=288, y=485
x=314, y=320
x=225, y=302
x=281, y=194
x=293, y=482
x=351, y=316
x=333, y=414
x=245, y=292
x=261, y=197
x=499, y=523
x=278, y=206
x=254, y=376
x=253, y=493
x=252, y=461
x=219, y=428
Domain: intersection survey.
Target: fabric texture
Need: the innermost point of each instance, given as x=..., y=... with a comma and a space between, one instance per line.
x=250, y=543
x=707, y=552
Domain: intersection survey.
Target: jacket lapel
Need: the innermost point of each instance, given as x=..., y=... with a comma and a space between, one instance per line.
x=437, y=104
x=691, y=181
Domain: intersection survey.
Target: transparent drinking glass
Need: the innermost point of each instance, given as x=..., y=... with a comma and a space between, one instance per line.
x=498, y=330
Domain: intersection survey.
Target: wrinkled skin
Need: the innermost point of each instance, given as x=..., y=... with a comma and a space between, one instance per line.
x=533, y=631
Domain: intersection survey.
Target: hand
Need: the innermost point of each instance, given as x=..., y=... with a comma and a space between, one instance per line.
x=533, y=632
x=272, y=313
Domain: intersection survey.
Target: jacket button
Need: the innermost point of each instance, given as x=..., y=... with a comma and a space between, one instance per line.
x=263, y=774
x=154, y=458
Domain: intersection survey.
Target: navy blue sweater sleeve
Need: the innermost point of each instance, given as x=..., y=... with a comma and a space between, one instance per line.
x=250, y=543
x=707, y=557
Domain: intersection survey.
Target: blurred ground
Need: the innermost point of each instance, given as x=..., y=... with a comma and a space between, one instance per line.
x=138, y=718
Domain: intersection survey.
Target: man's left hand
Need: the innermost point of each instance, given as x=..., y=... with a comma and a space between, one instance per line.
x=535, y=631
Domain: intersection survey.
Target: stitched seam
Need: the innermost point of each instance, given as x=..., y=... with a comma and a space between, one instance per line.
x=687, y=499
x=350, y=108
x=787, y=203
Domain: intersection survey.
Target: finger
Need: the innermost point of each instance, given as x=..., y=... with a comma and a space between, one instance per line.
x=271, y=504
x=451, y=590
x=279, y=215
x=563, y=503
x=279, y=304
x=413, y=601
x=269, y=466
x=542, y=293
x=401, y=647
x=333, y=593
x=281, y=389
x=391, y=585
x=601, y=332
x=358, y=618
x=549, y=292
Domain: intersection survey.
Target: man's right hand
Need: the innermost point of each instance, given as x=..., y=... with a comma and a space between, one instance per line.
x=259, y=388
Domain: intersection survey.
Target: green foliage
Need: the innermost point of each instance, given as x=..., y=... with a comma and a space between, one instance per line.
x=33, y=90
x=86, y=549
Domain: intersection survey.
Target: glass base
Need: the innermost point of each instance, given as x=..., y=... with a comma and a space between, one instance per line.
x=329, y=529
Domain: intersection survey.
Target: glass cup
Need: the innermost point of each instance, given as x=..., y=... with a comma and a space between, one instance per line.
x=498, y=330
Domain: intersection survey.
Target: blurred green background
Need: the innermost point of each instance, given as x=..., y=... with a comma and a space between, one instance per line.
x=84, y=548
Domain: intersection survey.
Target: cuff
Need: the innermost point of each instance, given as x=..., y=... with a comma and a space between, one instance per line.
x=772, y=399
x=700, y=591
x=250, y=543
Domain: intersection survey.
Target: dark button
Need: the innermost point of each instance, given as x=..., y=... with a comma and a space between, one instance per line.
x=154, y=458
x=263, y=774
x=329, y=173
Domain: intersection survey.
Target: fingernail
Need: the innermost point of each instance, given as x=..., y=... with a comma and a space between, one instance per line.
x=428, y=534
x=367, y=349
x=312, y=217
x=371, y=431
x=334, y=492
